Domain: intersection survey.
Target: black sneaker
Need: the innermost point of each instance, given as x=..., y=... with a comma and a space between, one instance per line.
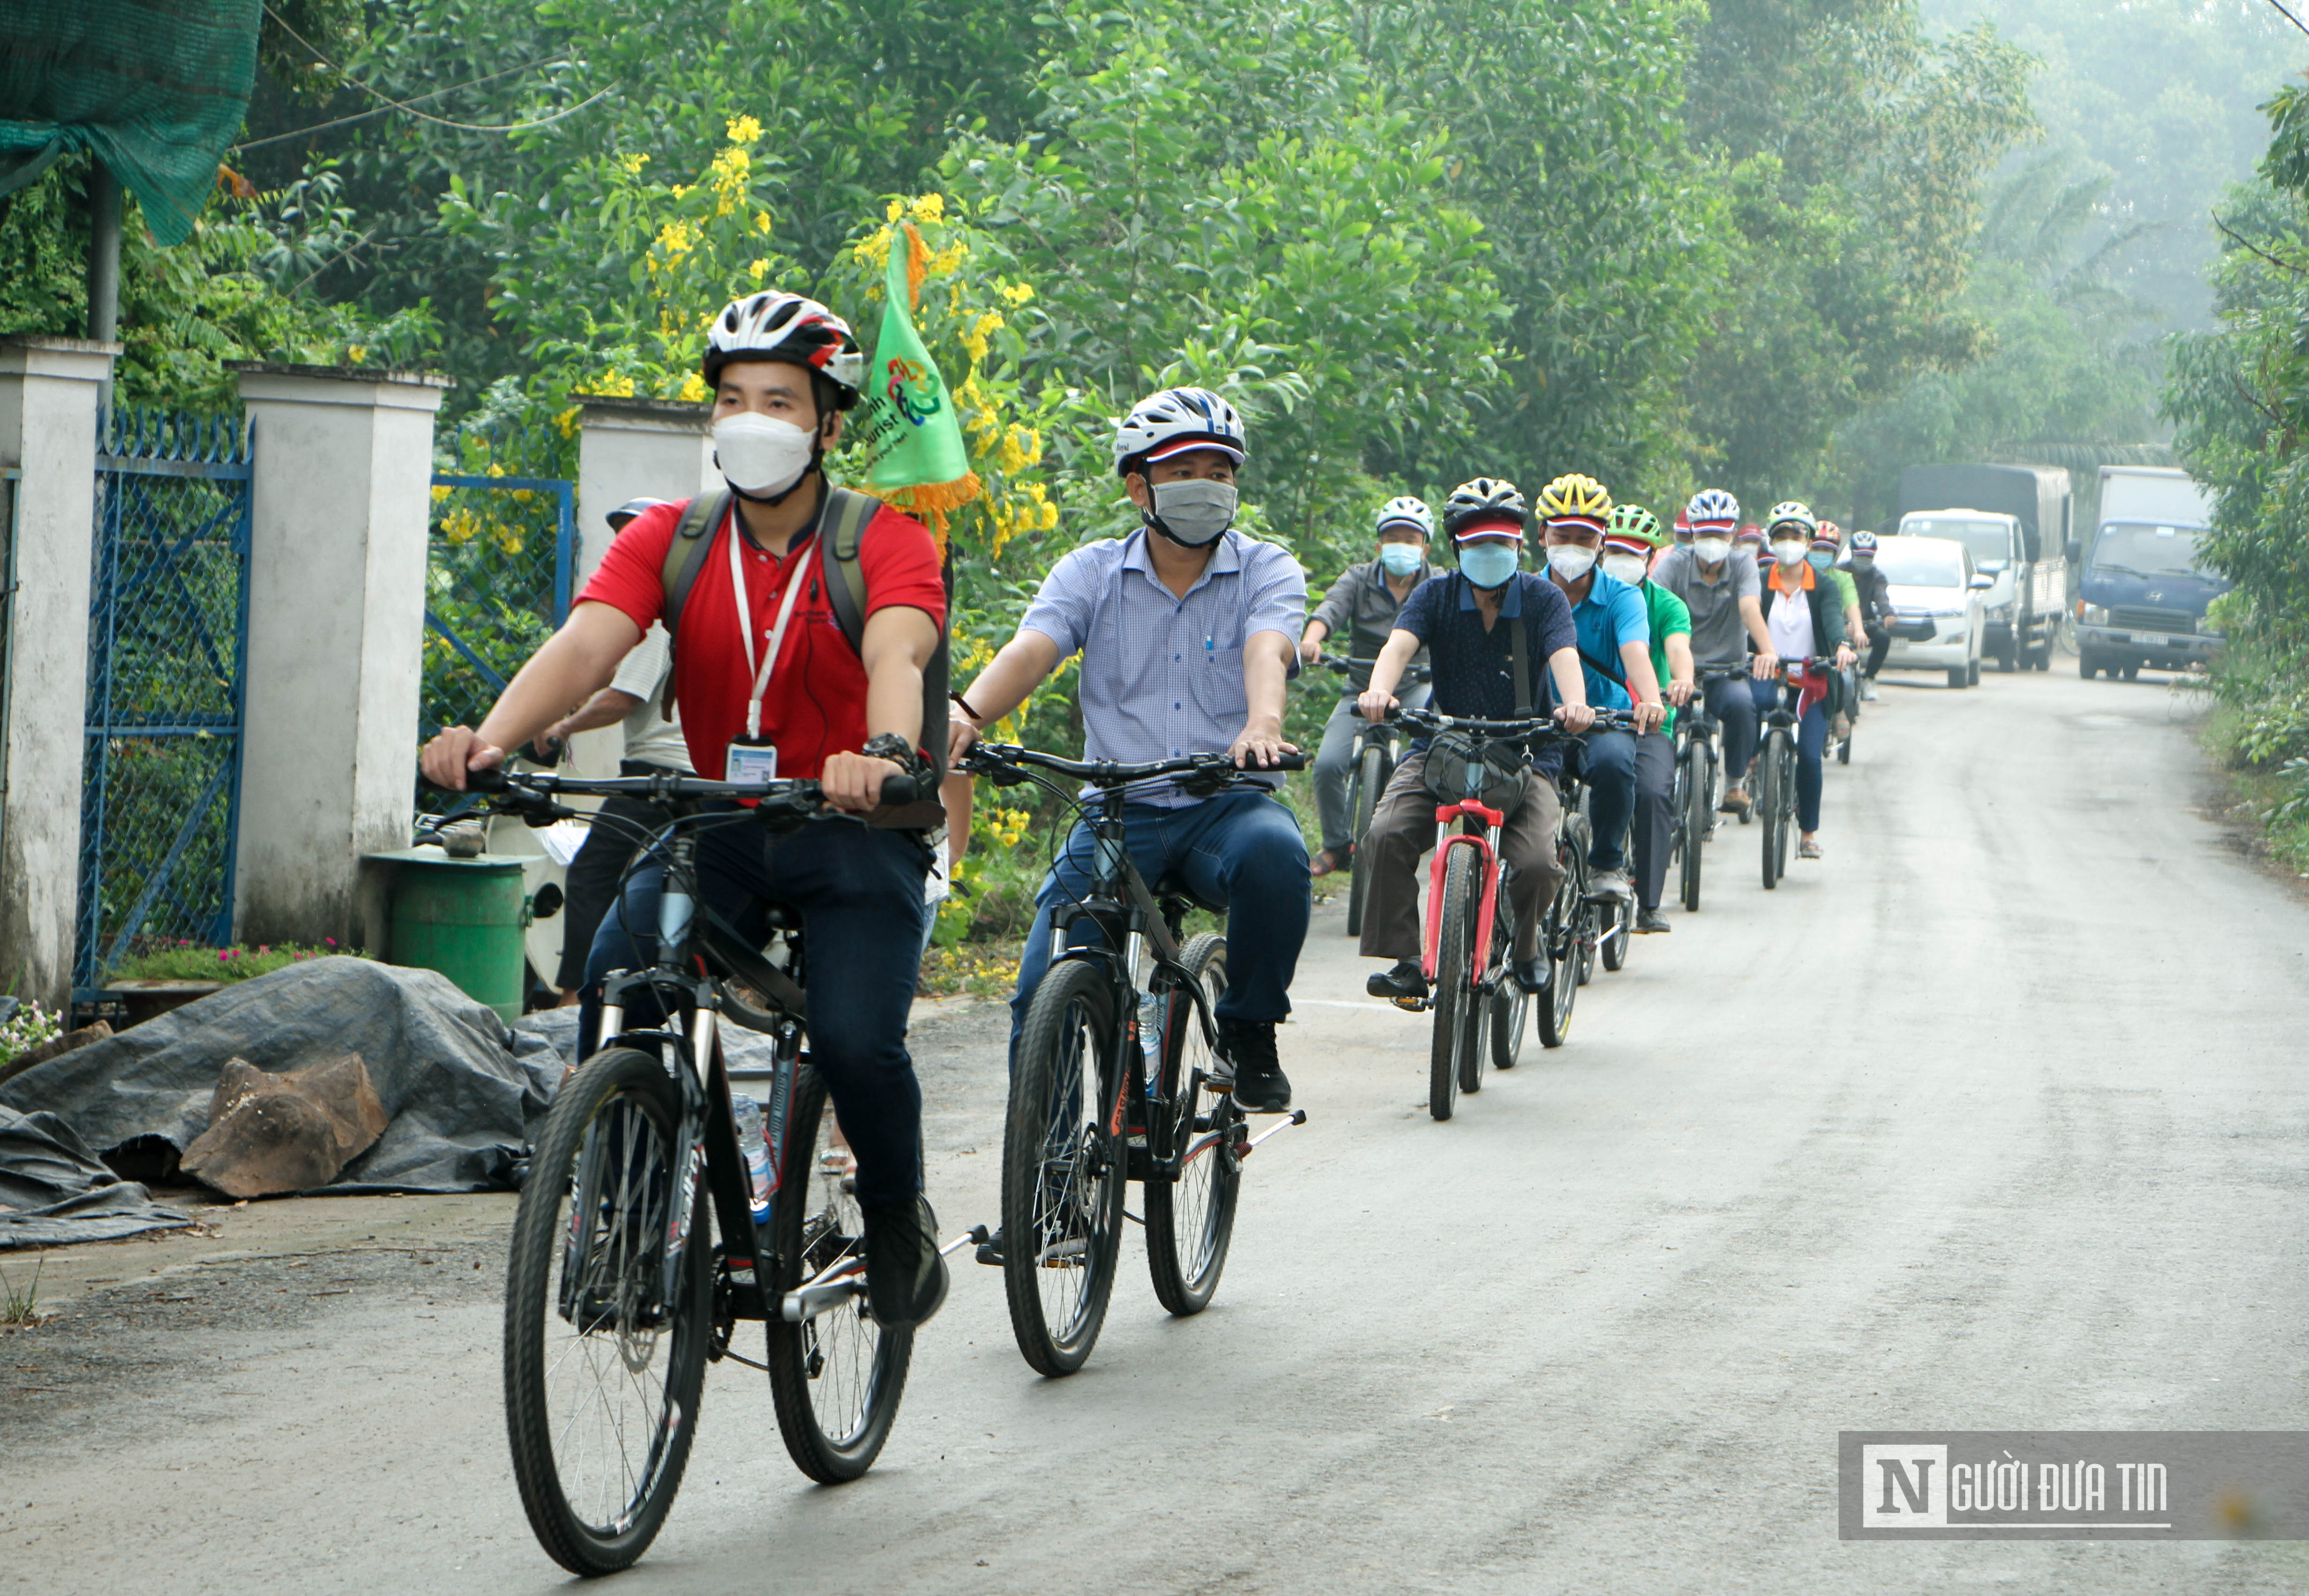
x=1406, y=980
x=905, y=1278
x=1260, y=1086
x=1651, y=920
x=990, y=1251
x=1533, y=975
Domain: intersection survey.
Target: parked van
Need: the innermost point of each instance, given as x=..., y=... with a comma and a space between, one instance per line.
x=2141, y=597
x=2015, y=521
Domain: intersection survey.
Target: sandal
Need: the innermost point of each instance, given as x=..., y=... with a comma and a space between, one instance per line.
x=1324, y=863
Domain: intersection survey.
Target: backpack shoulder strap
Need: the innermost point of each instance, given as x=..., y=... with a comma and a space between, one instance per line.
x=686, y=552
x=844, y=528
x=1521, y=666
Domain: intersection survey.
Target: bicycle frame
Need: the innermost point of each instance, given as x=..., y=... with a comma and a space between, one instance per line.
x=1486, y=844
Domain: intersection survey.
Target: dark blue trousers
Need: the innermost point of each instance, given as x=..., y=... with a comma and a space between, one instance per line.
x=860, y=895
x=1239, y=849
x=1606, y=762
x=1811, y=743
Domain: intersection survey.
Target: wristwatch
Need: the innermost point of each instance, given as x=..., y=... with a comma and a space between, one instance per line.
x=890, y=746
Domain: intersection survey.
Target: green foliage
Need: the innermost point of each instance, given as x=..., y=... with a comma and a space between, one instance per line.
x=29, y=1027
x=1853, y=150
x=198, y=962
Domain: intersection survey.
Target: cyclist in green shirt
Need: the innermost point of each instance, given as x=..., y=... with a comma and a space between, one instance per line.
x=1631, y=538
x=1827, y=545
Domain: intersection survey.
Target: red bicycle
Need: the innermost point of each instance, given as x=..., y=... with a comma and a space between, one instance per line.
x=1478, y=1007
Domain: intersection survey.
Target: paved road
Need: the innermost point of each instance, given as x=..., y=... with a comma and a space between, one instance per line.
x=1994, y=1118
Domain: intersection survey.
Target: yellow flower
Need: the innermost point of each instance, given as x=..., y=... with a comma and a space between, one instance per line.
x=762, y=223
x=897, y=208
x=874, y=249
x=677, y=238
x=614, y=385
x=632, y=164
x=356, y=353
x=974, y=340
x=744, y=130
x=757, y=269
x=694, y=389
x=440, y=494
x=928, y=207
x=496, y=470
x=566, y=423
x=1016, y=293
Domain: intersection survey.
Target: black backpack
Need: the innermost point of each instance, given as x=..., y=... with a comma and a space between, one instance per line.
x=842, y=524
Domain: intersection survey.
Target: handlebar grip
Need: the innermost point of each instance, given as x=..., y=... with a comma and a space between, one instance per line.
x=488, y=779
x=1288, y=762
x=900, y=791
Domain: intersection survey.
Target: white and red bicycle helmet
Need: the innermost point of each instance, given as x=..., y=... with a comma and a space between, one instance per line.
x=788, y=327
x=1175, y=421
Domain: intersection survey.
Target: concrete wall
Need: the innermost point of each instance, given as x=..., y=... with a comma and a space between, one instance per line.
x=344, y=465
x=47, y=430
x=631, y=449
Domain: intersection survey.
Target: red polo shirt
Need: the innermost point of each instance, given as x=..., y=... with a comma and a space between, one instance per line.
x=816, y=702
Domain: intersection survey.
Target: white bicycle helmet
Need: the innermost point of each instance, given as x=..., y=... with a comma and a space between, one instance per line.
x=788, y=327
x=1406, y=510
x=1712, y=506
x=1173, y=422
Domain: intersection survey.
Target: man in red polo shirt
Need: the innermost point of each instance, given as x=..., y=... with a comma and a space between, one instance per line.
x=782, y=688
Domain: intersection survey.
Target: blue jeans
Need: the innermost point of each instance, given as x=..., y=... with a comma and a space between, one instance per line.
x=1731, y=701
x=1606, y=762
x=1240, y=850
x=1811, y=743
x=860, y=895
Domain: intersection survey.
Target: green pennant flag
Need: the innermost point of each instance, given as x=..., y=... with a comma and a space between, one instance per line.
x=907, y=434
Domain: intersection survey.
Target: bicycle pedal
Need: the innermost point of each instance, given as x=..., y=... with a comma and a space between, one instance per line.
x=1410, y=1005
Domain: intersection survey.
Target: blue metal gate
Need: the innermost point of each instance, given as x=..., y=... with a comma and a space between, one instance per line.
x=167, y=644
x=499, y=561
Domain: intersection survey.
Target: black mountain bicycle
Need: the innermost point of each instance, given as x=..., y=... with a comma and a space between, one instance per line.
x=641, y=1237
x=1119, y=1077
x=1378, y=750
x=1699, y=780
x=1776, y=771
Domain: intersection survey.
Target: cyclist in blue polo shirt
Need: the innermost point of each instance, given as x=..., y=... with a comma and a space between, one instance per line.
x=1615, y=654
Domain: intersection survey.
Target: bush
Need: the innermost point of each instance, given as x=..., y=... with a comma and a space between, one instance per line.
x=184, y=961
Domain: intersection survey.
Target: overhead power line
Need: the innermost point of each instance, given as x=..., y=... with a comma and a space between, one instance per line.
x=409, y=108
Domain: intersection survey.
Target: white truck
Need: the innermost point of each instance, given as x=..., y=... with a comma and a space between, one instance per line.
x=2015, y=520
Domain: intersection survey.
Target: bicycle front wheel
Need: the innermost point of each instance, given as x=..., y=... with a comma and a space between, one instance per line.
x=603, y=1357
x=1768, y=805
x=836, y=1380
x=1370, y=776
x=1454, y=996
x=1190, y=1218
x=1697, y=806
x=1062, y=1178
x=1787, y=825
x=1560, y=942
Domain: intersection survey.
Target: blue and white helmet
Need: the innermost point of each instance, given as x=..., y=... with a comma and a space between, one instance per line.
x=1712, y=507
x=1174, y=422
x=1406, y=510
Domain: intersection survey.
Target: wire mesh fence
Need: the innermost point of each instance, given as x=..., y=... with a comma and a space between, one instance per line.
x=499, y=558
x=167, y=648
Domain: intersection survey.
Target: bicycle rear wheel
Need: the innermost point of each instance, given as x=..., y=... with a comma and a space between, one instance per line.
x=1454, y=1000
x=1559, y=943
x=1190, y=1219
x=1370, y=776
x=1787, y=825
x=1693, y=817
x=1618, y=931
x=1768, y=805
x=1510, y=1004
x=836, y=1380
x=602, y=1362
x=1062, y=1178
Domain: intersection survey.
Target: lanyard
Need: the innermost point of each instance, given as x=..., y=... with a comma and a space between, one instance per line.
x=746, y=619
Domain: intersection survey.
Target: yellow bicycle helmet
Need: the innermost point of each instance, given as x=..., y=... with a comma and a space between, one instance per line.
x=1574, y=497
x=1791, y=513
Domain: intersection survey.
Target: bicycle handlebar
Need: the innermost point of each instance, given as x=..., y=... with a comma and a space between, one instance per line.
x=1414, y=674
x=534, y=797
x=1429, y=719
x=1108, y=772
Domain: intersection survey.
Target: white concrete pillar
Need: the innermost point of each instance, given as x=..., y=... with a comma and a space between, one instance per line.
x=336, y=631
x=630, y=449
x=47, y=431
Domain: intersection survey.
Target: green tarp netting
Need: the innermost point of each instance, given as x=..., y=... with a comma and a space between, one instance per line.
x=155, y=90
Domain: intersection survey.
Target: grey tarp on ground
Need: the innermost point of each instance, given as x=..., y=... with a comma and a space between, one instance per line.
x=54, y=1191
x=460, y=1091
x=745, y=1050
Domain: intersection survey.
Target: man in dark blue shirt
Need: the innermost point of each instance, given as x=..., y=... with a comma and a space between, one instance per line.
x=1474, y=623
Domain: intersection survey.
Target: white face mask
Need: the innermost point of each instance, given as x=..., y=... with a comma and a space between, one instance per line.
x=1789, y=551
x=1193, y=511
x=1629, y=568
x=1569, y=561
x=761, y=455
x=1713, y=551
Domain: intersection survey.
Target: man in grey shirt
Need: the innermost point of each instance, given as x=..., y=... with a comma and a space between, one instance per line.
x=1362, y=605
x=1723, y=588
x=1188, y=631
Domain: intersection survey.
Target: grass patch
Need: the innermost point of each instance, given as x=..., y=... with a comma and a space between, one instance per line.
x=20, y=1310
x=197, y=962
x=2264, y=794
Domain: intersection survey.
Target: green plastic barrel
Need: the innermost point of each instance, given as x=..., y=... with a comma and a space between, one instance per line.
x=463, y=918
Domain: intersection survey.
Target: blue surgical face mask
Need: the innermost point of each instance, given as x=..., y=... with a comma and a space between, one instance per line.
x=1401, y=559
x=1488, y=565
x=1821, y=559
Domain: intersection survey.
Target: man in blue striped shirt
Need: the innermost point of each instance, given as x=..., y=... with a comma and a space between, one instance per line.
x=1188, y=631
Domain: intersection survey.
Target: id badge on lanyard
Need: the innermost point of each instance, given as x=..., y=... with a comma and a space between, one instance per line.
x=753, y=757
